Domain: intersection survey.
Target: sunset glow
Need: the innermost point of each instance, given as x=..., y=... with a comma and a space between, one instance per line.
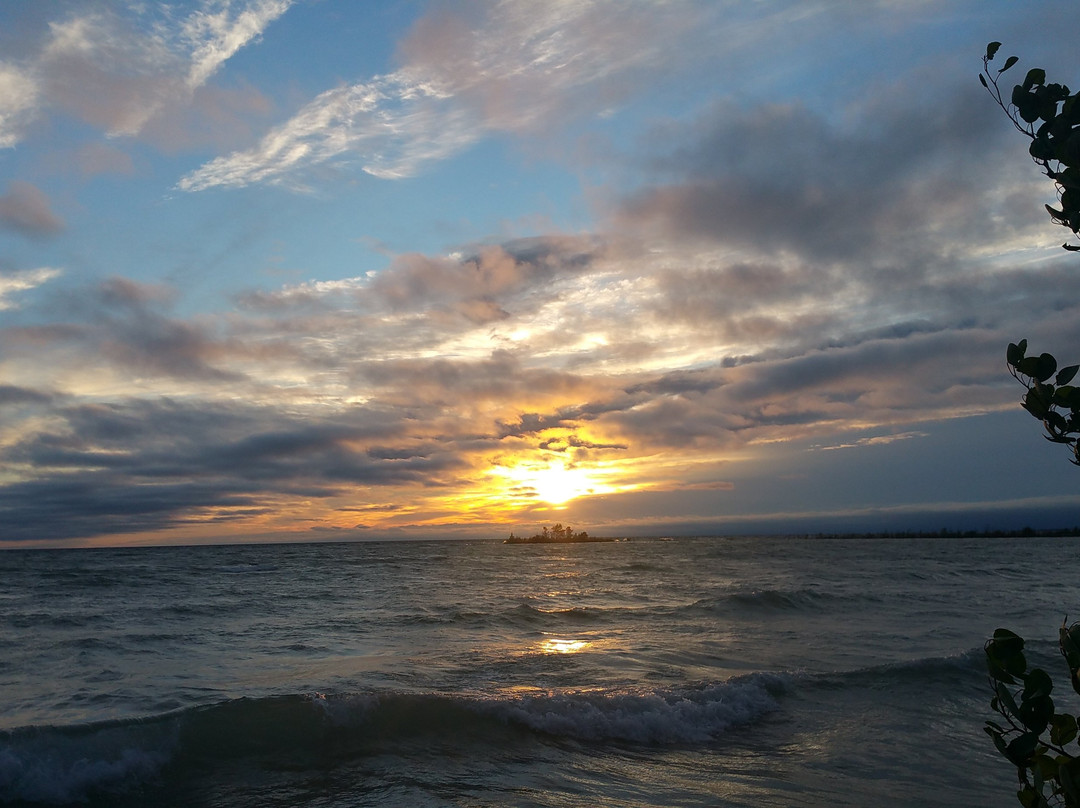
x=273, y=270
x=553, y=483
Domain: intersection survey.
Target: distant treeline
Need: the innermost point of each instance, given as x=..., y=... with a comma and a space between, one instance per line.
x=553, y=535
x=945, y=533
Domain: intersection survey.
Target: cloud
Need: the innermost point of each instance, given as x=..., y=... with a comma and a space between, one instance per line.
x=216, y=32
x=488, y=67
x=121, y=67
x=133, y=466
x=767, y=276
x=21, y=281
x=875, y=440
x=780, y=178
x=18, y=101
x=25, y=209
x=97, y=158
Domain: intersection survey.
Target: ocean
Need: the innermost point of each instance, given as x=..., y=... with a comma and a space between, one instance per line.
x=686, y=672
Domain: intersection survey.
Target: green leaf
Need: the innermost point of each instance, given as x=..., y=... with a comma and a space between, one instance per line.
x=991, y=50
x=1062, y=729
x=1066, y=396
x=1068, y=774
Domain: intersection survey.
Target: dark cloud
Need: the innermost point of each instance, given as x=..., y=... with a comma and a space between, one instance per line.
x=155, y=464
x=782, y=178
x=12, y=395
x=562, y=444
x=25, y=209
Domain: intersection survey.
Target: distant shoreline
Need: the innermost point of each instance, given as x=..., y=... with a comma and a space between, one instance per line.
x=561, y=540
x=944, y=533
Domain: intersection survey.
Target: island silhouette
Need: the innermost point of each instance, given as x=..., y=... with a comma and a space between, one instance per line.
x=553, y=535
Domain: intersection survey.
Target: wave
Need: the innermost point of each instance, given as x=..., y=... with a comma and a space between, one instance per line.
x=941, y=674
x=61, y=765
x=810, y=600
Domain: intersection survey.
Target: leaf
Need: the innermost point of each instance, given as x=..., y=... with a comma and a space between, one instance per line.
x=1028, y=797
x=1035, y=77
x=1037, y=684
x=1009, y=63
x=991, y=50
x=1047, y=366
x=1066, y=396
x=1062, y=729
x=1065, y=375
x=1039, y=367
x=1041, y=149
x=1022, y=748
x=1015, y=353
x=983, y=80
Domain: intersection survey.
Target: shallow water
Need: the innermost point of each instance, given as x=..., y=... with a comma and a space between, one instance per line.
x=757, y=672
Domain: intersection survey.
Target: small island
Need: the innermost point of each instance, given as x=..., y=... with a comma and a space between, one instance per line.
x=554, y=535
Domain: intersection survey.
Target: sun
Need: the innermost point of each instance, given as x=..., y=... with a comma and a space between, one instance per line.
x=554, y=482
x=557, y=484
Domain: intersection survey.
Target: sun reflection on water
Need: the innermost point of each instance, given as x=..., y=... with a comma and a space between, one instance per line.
x=561, y=645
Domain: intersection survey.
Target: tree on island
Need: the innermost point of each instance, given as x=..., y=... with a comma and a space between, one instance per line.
x=556, y=533
x=1035, y=737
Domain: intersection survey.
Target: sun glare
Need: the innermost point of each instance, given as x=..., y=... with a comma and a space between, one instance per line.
x=558, y=484
x=553, y=483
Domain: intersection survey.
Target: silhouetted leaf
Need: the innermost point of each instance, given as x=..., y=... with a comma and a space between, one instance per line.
x=1047, y=366
x=991, y=50
x=1066, y=396
x=1021, y=749
x=1041, y=148
x=1062, y=729
x=1015, y=353
x=1034, y=76
x=1065, y=375
x=1039, y=367
x=1009, y=63
x=1037, y=683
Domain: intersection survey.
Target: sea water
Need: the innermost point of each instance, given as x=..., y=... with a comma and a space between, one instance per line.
x=691, y=672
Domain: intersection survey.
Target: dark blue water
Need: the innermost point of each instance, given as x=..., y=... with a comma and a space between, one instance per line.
x=757, y=672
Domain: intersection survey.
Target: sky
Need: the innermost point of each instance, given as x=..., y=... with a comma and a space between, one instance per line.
x=292, y=270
